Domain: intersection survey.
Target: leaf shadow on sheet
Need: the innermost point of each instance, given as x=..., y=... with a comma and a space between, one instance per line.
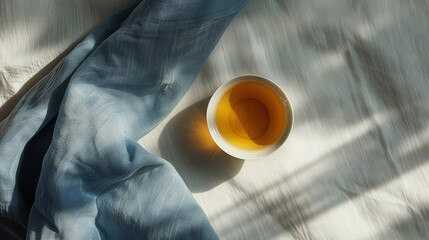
x=294, y=206
x=412, y=227
x=389, y=149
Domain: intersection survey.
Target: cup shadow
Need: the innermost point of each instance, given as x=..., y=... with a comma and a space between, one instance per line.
x=186, y=143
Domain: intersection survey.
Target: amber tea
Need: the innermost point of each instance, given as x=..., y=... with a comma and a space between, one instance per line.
x=249, y=116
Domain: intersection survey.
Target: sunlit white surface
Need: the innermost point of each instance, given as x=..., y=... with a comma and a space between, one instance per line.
x=356, y=72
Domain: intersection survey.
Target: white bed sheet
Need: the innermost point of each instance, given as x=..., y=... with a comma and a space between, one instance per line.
x=356, y=163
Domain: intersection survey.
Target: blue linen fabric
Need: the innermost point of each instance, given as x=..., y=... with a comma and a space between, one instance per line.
x=70, y=164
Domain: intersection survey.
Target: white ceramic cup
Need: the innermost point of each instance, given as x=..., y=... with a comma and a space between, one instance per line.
x=249, y=117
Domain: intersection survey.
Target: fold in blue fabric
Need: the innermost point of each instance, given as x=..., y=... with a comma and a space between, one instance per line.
x=70, y=164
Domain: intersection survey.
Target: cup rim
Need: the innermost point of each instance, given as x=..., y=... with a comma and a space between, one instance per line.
x=235, y=151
